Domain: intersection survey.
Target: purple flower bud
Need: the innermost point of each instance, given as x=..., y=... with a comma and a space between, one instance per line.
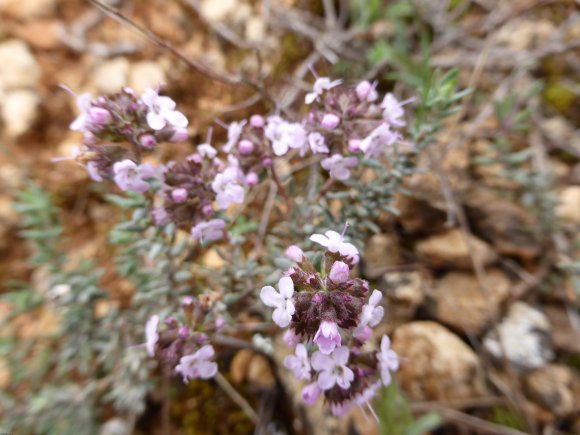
x=207, y=209
x=310, y=393
x=180, y=135
x=147, y=141
x=257, y=121
x=99, y=116
x=362, y=90
x=171, y=322
x=252, y=179
x=179, y=195
x=183, y=332
x=363, y=334
x=267, y=162
x=354, y=145
x=246, y=147
x=294, y=253
x=330, y=121
x=339, y=272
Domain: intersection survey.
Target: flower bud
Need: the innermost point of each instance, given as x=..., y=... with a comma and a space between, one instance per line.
x=363, y=334
x=257, y=121
x=147, y=141
x=267, y=162
x=354, y=145
x=362, y=90
x=179, y=135
x=330, y=121
x=339, y=272
x=252, y=179
x=160, y=216
x=294, y=253
x=99, y=116
x=246, y=147
x=310, y=393
x=183, y=332
x=207, y=209
x=179, y=195
x=290, y=338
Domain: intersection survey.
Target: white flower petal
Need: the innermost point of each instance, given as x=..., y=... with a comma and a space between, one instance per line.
x=271, y=297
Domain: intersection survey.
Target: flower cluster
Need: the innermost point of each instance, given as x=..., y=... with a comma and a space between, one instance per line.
x=118, y=129
x=185, y=346
x=329, y=316
x=344, y=125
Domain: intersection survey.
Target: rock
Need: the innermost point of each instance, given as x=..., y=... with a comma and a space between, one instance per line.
x=458, y=301
x=554, y=387
x=111, y=76
x=417, y=216
x=145, y=75
x=450, y=249
x=27, y=9
x=19, y=111
x=522, y=34
x=18, y=67
x=525, y=334
x=564, y=336
x=438, y=366
x=568, y=208
x=260, y=373
x=239, y=365
x=218, y=11
x=381, y=252
x=39, y=34
x=405, y=292
x=508, y=226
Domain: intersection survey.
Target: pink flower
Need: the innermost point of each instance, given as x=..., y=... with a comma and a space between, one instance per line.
x=234, y=132
x=131, y=177
x=334, y=243
x=365, y=91
x=160, y=216
x=388, y=360
x=317, y=144
x=380, y=138
x=198, y=365
x=151, y=335
x=330, y=121
x=371, y=313
x=320, y=85
x=339, y=166
x=393, y=110
x=294, y=253
x=209, y=231
x=282, y=301
x=284, y=135
x=162, y=111
x=93, y=171
x=227, y=187
x=84, y=104
x=206, y=150
x=311, y=393
x=333, y=369
x=299, y=363
x=327, y=337
x=339, y=272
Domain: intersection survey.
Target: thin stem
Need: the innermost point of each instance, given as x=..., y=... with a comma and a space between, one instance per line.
x=236, y=397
